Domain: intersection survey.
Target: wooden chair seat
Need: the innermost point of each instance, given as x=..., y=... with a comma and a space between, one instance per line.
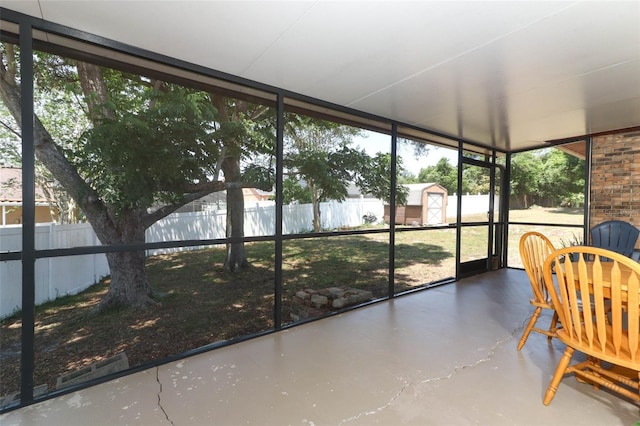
x=621, y=356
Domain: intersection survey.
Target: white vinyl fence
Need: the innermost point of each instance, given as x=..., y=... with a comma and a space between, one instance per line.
x=259, y=220
x=471, y=204
x=56, y=276
x=60, y=276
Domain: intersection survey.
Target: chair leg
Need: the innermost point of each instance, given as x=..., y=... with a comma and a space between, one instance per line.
x=553, y=326
x=532, y=322
x=557, y=376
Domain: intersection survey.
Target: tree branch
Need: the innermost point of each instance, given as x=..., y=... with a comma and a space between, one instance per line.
x=195, y=192
x=259, y=113
x=165, y=211
x=5, y=125
x=95, y=90
x=223, y=152
x=218, y=185
x=9, y=73
x=51, y=155
x=207, y=187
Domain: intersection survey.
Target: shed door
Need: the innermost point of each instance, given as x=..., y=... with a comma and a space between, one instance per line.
x=434, y=208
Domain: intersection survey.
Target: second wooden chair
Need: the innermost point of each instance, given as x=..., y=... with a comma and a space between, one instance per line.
x=534, y=250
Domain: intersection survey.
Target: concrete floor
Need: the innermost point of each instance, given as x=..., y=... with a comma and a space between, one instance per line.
x=443, y=356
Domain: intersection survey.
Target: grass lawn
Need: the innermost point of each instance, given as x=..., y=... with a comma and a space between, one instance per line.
x=204, y=304
x=559, y=236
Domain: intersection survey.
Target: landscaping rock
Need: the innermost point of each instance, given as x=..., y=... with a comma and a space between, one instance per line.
x=309, y=303
x=15, y=397
x=95, y=370
x=319, y=300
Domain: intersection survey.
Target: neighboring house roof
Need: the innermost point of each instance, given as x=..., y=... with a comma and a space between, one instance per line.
x=11, y=187
x=255, y=194
x=354, y=192
x=220, y=197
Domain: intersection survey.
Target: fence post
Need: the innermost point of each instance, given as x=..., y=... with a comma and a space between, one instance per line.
x=52, y=244
x=94, y=257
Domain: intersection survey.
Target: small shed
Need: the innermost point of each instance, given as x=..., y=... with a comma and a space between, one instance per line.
x=426, y=205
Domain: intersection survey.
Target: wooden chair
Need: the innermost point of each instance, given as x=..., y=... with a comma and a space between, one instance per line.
x=596, y=282
x=534, y=249
x=615, y=235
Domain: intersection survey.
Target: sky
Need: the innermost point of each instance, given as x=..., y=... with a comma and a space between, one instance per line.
x=378, y=142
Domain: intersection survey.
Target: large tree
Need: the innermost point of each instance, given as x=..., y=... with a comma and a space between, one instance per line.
x=443, y=173
x=562, y=179
x=476, y=180
x=319, y=156
x=246, y=132
x=548, y=176
x=375, y=178
x=320, y=164
x=525, y=173
x=150, y=147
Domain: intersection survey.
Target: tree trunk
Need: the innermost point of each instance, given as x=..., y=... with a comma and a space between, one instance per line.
x=316, y=215
x=236, y=257
x=315, y=202
x=129, y=283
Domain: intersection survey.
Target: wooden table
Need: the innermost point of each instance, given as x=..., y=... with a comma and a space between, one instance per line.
x=607, y=269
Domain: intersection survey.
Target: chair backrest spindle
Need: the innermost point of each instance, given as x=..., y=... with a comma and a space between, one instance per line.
x=534, y=249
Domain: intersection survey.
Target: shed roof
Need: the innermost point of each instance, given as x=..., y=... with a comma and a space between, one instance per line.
x=415, y=192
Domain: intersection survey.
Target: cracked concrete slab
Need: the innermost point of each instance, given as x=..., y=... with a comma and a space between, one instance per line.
x=443, y=356
x=160, y=397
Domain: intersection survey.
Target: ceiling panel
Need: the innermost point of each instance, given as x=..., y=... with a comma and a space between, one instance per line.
x=376, y=45
x=505, y=74
x=208, y=33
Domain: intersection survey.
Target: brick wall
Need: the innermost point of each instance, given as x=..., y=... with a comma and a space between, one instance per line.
x=615, y=178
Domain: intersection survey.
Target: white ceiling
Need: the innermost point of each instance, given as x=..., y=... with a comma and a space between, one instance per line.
x=506, y=74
